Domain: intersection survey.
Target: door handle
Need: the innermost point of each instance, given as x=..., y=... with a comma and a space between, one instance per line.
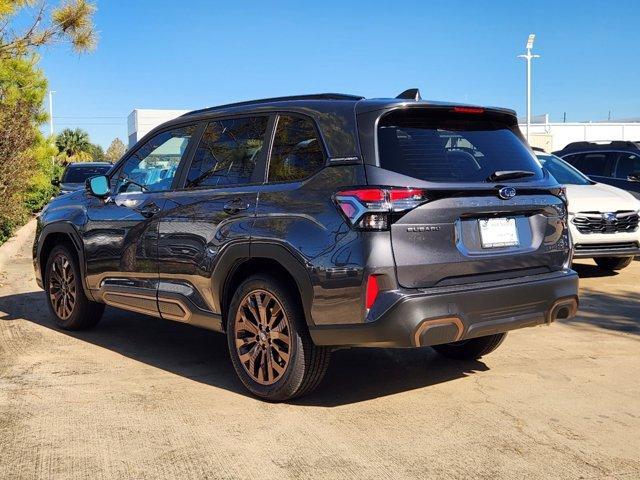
x=236, y=205
x=149, y=210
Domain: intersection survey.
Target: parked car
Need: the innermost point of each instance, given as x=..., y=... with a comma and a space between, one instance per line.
x=603, y=219
x=75, y=174
x=298, y=225
x=614, y=163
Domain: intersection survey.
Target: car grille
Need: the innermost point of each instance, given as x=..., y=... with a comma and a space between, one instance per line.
x=607, y=246
x=614, y=222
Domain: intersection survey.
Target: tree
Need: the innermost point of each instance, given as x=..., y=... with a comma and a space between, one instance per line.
x=22, y=91
x=116, y=150
x=25, y=156
x=70, y=22
x=72, y=143
x=96, y=152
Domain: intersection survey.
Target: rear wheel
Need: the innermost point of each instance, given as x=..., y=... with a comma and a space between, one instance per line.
x=471, y=349
x=270, y=347
x=613, y=263
x=71, y=308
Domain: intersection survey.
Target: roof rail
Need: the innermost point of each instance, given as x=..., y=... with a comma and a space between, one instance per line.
x=313, y=96
x=602, y=144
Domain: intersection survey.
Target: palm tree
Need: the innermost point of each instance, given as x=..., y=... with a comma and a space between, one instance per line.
x=73, y=142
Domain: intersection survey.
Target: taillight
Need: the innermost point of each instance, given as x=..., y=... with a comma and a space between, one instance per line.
x=370, y=208
x=372, y=291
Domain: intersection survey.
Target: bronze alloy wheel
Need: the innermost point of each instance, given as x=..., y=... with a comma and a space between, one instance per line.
x=262, y=337
x=62, y=286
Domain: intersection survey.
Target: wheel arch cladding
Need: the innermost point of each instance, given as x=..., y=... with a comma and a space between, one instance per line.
x=57, y=234
x=276, y=261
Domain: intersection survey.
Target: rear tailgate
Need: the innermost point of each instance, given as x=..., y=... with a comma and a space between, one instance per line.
x=441, y=242
x=465, y=232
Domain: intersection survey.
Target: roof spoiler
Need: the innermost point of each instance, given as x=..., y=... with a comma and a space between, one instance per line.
x=410, y=94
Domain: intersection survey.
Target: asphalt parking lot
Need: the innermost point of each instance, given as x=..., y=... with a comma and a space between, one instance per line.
x=139, y=397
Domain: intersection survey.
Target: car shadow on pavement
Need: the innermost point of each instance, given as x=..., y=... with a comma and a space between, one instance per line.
x=586, y=270
x=618, y=311
x=354, y=375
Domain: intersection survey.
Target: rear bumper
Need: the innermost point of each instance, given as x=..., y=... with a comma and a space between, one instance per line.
x=436, y=316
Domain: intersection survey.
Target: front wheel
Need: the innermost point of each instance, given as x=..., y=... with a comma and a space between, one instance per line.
x=471, y=349
x=270, y=346
x=71, y=308
x=611, y=264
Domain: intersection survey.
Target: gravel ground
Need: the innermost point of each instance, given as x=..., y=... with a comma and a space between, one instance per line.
x=139, y=397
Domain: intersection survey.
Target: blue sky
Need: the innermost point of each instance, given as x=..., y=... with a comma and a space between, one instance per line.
x=192, y=54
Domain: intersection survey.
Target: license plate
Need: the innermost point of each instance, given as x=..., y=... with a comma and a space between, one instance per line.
x=498, y=232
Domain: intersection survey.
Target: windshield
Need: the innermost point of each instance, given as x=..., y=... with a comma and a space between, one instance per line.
x=563, y=172
x=80, y=173
x=450, y=146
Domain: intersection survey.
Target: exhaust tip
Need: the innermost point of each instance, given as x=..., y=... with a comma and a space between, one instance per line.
x=563, y=309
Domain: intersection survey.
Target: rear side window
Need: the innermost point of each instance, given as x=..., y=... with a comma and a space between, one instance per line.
x=297, y=152
x=628, y=163
x=451, y=146
x=227, y=153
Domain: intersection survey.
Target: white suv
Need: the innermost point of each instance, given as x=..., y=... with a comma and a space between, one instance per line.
x=603, y=219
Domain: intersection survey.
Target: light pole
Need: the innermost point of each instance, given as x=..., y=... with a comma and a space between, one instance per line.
x=51, y=92
x=528, y=57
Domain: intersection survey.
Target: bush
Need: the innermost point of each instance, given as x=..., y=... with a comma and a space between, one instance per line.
x=39, y=190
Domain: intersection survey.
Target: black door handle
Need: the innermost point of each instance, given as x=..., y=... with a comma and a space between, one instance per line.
x=236, y=205
x=149, y=210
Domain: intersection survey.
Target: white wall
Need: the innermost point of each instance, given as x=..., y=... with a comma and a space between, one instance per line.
x=142, y=121
x=564, y=133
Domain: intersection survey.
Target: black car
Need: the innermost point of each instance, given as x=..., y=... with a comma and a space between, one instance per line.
x=616, y=163
x=75, y=175
x=299, y=225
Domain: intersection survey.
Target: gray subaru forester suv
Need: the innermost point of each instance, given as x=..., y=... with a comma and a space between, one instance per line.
x=299, y=225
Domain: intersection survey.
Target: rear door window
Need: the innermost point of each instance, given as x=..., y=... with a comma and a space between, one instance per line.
x=597, y=163
x=449, y=146
x=228, y=153
x=297, y=152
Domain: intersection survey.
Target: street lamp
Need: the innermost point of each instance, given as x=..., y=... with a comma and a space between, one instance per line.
x=51, y=92
x=528, y=56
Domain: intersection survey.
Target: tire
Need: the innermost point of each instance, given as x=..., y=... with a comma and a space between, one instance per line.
x=78, y=312
x=611, y=264
x=292, y=369
x=471, y=349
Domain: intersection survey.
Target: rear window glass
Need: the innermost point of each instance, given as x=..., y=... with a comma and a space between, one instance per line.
x=80, y=174
x=452, y=147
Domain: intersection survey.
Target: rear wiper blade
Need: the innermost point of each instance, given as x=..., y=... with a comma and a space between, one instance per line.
x=501, y=175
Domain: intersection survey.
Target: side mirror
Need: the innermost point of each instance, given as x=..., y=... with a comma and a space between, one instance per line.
x=98, y=186
x=634, y=177
x=55, y=182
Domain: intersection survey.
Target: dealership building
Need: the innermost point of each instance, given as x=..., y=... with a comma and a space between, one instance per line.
x=142, y=120
x=550, y=136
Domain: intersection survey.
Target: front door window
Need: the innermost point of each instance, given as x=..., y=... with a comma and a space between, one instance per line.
x=152, y=167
